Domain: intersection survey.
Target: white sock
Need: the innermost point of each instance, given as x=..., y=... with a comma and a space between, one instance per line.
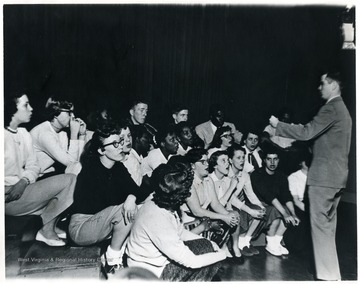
x=247, y=241
x=244, y=242
x=113, y=256
x=278, y=239
x=270, y=240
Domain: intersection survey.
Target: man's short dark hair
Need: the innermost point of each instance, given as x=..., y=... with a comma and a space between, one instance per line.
x=136, y=102
x=214, y=108
x=177, y=108
x=334, y=76
x=271, y=150
x=253, y=130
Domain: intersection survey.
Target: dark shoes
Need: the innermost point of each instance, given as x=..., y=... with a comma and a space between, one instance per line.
x=246, y=251
x=237, y=260
x=216, y=278
x=249, y=251
x=254, y=250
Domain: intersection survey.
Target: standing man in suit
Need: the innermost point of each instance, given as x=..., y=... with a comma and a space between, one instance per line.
x=207, y=129
x=331, y=131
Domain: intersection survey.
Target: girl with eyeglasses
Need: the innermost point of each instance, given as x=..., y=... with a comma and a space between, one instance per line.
x=106, y=197
x=24, y=194
x=223, y=139
x=55, y=150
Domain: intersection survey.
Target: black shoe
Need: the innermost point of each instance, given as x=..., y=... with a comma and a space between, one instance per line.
x=216, y=278
x=237, y=260
x=109, y=269
x=246, y=251
x=253, y=250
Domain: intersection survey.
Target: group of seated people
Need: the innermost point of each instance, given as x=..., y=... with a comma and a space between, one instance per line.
x=175, y=200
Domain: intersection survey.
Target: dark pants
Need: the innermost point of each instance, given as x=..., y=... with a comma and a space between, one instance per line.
x=298, y=238
x=176, y=272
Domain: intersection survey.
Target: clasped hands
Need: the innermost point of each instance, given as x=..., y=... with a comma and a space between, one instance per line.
x=294, y=220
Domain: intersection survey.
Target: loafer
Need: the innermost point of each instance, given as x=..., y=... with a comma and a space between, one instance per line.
x=253, y=250
x=238, y=260
x=246, y=251
x=50, y=242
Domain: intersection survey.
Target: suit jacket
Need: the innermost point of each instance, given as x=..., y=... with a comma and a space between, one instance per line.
x=331, y=131
x=205, y=132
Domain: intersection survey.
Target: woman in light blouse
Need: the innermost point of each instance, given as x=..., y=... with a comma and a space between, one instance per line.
x=23, y=194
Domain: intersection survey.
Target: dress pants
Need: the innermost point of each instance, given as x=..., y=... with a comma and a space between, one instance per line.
x=323, y=216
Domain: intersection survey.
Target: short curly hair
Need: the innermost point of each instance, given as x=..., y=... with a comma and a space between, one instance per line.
x=54, y=106
x=171, y=183
x=104, y=129
x=10, y=106
x=213, y=159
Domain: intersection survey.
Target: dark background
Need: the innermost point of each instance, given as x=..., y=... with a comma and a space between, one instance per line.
x=252, y=59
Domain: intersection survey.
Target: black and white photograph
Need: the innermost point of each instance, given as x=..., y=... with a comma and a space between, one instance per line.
x=179, y=141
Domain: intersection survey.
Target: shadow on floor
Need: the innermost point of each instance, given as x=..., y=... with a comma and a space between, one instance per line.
x=262, y=267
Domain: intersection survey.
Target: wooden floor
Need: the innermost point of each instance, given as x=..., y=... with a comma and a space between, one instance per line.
x=262, y=267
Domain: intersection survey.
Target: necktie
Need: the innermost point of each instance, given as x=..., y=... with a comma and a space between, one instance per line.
x=253, y=161
x=241, y=195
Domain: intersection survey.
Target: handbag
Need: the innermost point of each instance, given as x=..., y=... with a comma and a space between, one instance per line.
x=219, y=236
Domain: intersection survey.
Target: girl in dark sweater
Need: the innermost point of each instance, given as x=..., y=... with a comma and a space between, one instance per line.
x=105, y=195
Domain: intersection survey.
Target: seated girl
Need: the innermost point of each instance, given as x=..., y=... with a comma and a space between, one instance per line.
x=158, y=240
x=52, y=147
x=219, y=168
x=222, y=140
x=105, y=195
x=23, y=194
x=203, y=201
